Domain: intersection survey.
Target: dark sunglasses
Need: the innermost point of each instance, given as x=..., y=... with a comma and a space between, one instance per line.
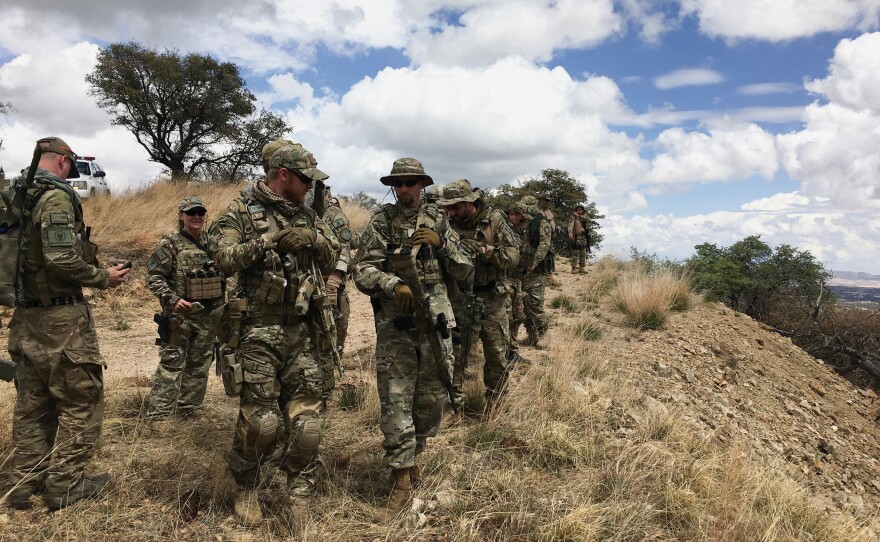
x=195, y=212
x=300, y=176
x=397, y=183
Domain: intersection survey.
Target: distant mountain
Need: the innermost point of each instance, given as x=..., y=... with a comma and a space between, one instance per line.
x=853, y=279
x=855, y=275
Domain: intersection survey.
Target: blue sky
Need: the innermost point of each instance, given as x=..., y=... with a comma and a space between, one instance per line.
x=689, y=121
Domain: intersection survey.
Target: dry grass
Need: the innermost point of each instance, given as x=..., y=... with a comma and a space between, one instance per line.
x=646, y=299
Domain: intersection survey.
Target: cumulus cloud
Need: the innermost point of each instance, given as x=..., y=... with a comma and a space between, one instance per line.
x=688, y=77
x=780, y=20
x=761, y=89
x=854, y=78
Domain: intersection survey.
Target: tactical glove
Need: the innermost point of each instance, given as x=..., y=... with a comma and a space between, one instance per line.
x=427, y=236
x=333, y=283
x=406, y=302
x=293, y=240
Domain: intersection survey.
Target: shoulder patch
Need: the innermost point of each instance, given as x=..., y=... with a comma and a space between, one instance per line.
x=59, y=237
x=345, y=234
x=59, y=218
x=365, y=238
x=162, y=255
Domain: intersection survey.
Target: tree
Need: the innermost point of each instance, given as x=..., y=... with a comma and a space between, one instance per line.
x=364, y=200
x=565, y=193
x=181, y=109
x=243, y=158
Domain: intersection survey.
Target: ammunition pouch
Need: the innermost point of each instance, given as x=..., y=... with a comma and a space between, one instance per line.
x=201, y=285
x=231, y=372
x=7, y=370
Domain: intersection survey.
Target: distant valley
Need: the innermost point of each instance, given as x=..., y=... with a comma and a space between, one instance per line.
x=854, y=287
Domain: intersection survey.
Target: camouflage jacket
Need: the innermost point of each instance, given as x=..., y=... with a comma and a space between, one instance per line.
x=338, y=222
x=58, y=259
x=240, y=242
x=394, y=226
x=536, y=242
x=176, y=255
x=491, y=229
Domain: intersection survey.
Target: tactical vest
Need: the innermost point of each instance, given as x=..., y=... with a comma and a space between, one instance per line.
x=195, y=276
x=401, y=230
x=35, y=279
x=534, y=238
x=485, y=274
x=279, y=284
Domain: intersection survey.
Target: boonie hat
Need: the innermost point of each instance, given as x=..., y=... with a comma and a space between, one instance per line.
x=59, y=146
x=458, y=191
x=297, y=158
x=191, y=203
x=406, y=168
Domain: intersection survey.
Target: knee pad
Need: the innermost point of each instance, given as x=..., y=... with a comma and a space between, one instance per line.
x=305, y=438
x=259, y=431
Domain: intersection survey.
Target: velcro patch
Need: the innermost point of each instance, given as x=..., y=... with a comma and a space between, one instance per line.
x=152, y=263
x=59, y=218
x=162, y=256
x=345, y=234
x=60, y=237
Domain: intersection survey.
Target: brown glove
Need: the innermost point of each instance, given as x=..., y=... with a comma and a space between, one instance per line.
x=406, y=301
x=426, y=236
x=293, y=240
x=333, y=283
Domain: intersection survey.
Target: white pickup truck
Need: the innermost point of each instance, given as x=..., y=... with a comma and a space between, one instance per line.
x=92, y=178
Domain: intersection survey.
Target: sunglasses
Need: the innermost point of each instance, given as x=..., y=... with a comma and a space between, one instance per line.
x=397, y=183
x=298, y=175
x=195, y=212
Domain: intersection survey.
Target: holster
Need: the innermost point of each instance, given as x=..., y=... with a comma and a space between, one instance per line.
x=231, y=372
x=163, y=323
x=7, y=370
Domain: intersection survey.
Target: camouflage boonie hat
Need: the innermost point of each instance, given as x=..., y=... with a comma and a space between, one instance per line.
x=297, y=158
x=272, y=146
x=59, y=146
x=521, y=208
x=580, y=206
x=544, y=197
x=433, y=192
x=190, y=203
x=458, y=191
x=531, y=203
x=406, y=168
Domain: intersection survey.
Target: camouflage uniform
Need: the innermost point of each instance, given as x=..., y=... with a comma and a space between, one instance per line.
x=488, y=240
x=410, y=389
x=338, y=222
x=181, y=378
x=59, y=406
x=579, y=229
x=277, y=345
x=536, y=247
x=517, y=313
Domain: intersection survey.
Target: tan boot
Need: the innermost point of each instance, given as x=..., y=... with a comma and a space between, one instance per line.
x=247, y=507
x=401, y=492
x=415, y=476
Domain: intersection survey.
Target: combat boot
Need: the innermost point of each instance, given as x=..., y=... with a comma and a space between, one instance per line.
x=532, y=338
x=20, y=498
x=247, y=507
x=401, y=492
x=514, y=357
x=415, y=476
x=86, y=488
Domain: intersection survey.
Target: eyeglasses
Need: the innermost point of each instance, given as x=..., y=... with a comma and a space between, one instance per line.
x=195, y=212
x=397, y=183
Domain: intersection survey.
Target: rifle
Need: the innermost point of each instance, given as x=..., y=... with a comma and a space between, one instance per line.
x=7, y=369
x=325, y=314
x=470, y=321
x=434, y=329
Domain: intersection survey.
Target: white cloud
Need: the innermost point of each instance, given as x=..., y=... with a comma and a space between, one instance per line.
x=493, y=29
x=778, y=202
x=780, y=20
x=854, y=78
x=761, y=89
x=688, y=77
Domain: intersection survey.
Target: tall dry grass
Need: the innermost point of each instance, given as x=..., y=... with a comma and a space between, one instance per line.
x=646, y=299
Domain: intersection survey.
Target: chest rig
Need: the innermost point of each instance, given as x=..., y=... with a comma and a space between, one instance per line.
x=195, y=276
x=481, y=229
x=402, y=228
x=280, y=283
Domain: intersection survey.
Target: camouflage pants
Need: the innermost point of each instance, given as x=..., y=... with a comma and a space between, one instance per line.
x=579, y=255
x=59, y=406
x=344, y=307
x=410, y=390
x=517, y=311
x=533, y=285
x=181, y=378
x=495, y=335
x=282, y=369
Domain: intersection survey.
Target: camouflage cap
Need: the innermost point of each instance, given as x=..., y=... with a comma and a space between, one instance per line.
x=272, y=146
x=544, y=197
x=433, y=192
x=297, y=158
x=190, y=203
x=59, y=146
x=458, y=191
x=521, y=208
x=529, y=201
x=407, y=168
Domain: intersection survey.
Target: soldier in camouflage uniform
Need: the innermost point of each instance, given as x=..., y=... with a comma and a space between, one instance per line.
x=336, y=280
x=410, y=386
x=488, y=240
x=536, y=233
x=544, y=209
x=59, y=379
x=578, y=231
x=189, y=287
x=279, y=248
x=516, y=315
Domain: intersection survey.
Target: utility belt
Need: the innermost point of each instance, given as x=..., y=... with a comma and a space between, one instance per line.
x=54, y=302
x=271, y=320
